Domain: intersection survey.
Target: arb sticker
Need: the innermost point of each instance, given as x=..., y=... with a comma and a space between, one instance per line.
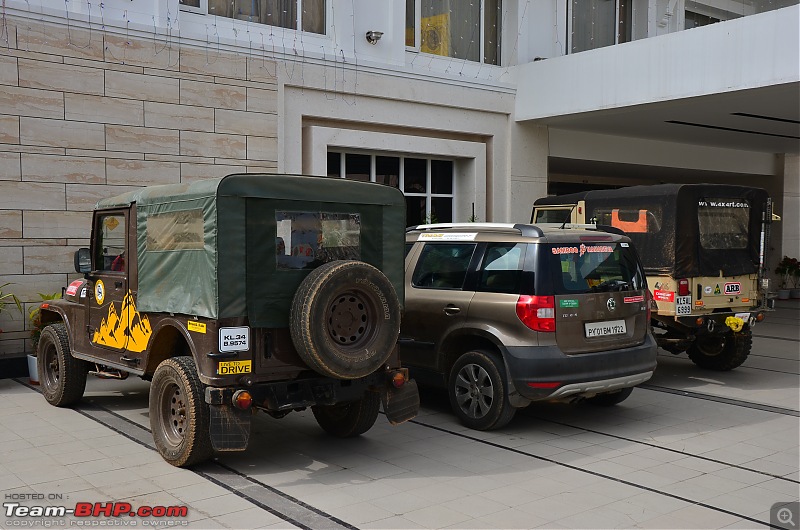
x=733, y=288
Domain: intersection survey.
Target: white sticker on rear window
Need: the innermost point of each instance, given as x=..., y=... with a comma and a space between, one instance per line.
x=439, y=236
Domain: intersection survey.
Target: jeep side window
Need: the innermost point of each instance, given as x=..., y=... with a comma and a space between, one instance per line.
x=501, y=269
x=443, y=265
x=630, y=220
x=110, y=249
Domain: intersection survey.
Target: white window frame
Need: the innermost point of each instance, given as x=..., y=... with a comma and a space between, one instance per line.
x=428, y=195
x=203, y=10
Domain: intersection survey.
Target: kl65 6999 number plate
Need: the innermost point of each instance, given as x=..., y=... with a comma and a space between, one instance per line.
x=602, y=329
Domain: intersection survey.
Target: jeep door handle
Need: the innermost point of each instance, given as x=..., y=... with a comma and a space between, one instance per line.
x=451, y=310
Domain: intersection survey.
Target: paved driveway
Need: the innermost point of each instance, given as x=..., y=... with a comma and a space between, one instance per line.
x=691, y=449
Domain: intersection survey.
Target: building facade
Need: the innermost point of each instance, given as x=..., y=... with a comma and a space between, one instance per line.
x=472, y=109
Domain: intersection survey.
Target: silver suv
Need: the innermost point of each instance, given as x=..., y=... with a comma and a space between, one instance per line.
x=503, y=315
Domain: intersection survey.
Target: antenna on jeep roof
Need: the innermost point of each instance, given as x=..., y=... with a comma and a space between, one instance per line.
x=569, y=216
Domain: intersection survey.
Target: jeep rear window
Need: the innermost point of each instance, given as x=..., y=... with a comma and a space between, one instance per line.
x=724, y=223
x=306, y=240
x=601, y=267
x=181, y=230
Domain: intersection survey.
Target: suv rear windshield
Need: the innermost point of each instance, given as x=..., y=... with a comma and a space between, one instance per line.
x=585, y=268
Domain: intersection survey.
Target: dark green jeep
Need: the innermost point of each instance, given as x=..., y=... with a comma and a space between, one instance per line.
x=236, y=294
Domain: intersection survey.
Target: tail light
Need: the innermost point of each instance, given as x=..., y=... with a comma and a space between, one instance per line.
x=683, y=287
x=242, y=399
x=537, y=312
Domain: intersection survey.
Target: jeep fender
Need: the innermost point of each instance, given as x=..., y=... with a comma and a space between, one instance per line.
x=167, y=334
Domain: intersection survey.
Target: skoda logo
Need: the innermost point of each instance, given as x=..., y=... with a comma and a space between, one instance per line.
x=611, y=304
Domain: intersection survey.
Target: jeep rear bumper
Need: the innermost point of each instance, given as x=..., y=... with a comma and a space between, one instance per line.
x=230, y=426
x=542, y=372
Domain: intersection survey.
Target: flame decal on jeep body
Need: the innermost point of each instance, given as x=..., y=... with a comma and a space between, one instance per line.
x=125, y=331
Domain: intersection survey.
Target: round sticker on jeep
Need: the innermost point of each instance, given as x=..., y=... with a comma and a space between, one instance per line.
x=99, y=292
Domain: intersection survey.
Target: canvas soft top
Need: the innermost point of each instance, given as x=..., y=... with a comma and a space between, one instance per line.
x=230, y=269
x=671, y=243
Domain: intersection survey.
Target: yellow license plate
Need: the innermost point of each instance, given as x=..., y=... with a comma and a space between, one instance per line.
x=234, y=367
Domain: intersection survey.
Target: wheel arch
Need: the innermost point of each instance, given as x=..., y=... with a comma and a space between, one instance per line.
x=170, y=339
x=465, y=340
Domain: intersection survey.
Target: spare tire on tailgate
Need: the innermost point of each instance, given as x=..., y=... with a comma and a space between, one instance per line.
x=345, y=319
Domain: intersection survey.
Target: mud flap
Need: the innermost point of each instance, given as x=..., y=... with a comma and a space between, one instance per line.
x=400, y=404
x=230, y=428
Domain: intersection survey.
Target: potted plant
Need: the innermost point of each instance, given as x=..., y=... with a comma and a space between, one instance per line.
x=788, y=270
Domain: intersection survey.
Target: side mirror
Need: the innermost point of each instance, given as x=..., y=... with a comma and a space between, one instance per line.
x=83, y=260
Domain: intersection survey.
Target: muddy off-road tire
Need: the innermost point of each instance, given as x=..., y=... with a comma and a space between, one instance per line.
x=609, y=399
x=179, y=416
x=721, y=352
x=61, y=376
x=346, y=420
x=345, y=319
x=478, y=391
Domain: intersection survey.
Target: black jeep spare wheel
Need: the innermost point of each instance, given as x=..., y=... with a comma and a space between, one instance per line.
x=345, y=319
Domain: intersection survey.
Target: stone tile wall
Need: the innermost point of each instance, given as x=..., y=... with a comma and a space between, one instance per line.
x=87, y=115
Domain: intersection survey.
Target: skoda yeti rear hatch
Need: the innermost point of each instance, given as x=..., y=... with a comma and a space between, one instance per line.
x=597, y=291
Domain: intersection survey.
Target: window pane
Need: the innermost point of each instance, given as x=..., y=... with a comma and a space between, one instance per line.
x=451, y=29
x=281, y=13
x=193, y=3
x=442, y=176
x=357, y=167
x=215, y=7
x=441, y=210
x=314, y=16
x=249, y=10
x=502, y=268
x=411, y=23
x=593, y=24
x=593, y=268
x=415, y=211
x=110, y=253
x=724, y=223
x=443, y=265
x=415, y=176
x=306, y=240
x=493, y=17
x=387, y=170
x=175, y=231
x=334, y=165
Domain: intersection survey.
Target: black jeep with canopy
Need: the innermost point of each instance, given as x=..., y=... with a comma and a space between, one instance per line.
x=701, y=246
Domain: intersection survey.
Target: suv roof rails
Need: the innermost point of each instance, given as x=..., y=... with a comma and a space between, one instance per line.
x=524, y=229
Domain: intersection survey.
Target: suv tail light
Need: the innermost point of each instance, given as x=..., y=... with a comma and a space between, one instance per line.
x=537, y=312
x=683, y=287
